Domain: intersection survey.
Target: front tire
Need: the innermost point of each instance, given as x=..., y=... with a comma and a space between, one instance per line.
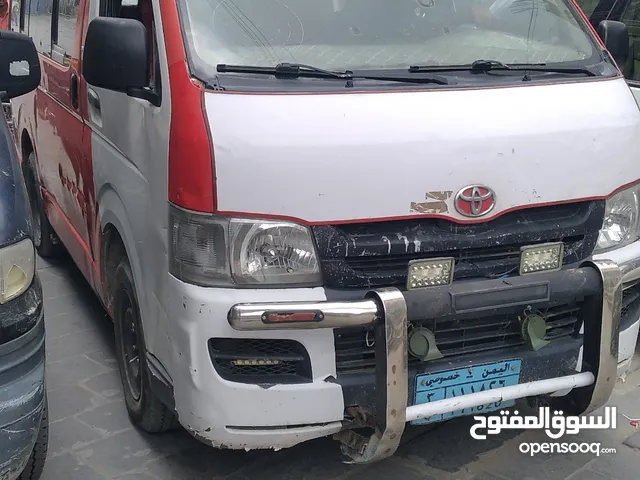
x=144, y=407
x=35, y=465
x=44, y=237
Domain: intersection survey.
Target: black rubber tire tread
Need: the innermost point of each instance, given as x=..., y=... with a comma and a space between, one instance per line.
x=148, y=413
x=48, y=248
x=35, y=466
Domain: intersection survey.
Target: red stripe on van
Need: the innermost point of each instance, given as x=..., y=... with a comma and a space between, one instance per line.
x=191, y=167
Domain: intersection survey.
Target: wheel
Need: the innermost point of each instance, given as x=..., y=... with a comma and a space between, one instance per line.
x=44, y=238
x=35, y=465
x=143, y=406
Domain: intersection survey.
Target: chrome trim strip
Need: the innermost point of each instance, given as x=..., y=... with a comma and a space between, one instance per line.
x=248, y=316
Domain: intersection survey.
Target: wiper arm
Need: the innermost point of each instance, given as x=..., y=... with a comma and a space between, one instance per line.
x=437, y=80
x=285, y=70
x=488, y=65
x=296, y=70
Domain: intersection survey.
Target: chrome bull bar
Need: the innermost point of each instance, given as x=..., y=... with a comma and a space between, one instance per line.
x=387, y=310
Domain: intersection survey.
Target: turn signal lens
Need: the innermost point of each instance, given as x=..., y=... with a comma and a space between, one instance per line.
x=287, y=317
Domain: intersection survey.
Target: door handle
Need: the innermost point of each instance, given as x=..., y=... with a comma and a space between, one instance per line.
x=94, y=100
x=75, y=87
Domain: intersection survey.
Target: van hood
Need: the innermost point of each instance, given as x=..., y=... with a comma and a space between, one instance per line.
x=325, y=158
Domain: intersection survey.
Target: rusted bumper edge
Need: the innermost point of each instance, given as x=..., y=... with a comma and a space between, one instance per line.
x=387, y=310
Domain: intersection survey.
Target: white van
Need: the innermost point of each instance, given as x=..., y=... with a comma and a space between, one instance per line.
x=313, y=216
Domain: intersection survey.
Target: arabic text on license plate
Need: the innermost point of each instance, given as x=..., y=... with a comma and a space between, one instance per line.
x=462, y=381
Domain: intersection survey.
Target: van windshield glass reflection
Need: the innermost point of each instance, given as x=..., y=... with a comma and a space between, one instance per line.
x=384, y=34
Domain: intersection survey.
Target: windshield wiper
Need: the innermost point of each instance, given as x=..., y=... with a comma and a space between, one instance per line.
x=488, y=65
x=286, y=70
x=296, y=70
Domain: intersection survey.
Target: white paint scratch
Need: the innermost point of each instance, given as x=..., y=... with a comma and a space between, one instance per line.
x=405, y=240
x=388, y=245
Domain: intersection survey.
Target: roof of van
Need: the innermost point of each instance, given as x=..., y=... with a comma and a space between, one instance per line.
x=15, y=223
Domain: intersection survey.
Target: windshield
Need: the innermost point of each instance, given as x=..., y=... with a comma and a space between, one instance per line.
x=383, y=34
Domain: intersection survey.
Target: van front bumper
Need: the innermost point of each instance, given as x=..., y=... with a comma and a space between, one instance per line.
x=390, y=309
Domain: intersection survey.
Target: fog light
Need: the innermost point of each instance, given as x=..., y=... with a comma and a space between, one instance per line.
x=541, y=258
x=431, y=272
x=255, y=362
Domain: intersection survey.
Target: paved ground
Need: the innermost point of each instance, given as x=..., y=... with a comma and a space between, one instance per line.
x=92, y=438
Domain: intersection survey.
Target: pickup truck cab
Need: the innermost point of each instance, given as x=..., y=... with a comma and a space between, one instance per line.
x=23, y=401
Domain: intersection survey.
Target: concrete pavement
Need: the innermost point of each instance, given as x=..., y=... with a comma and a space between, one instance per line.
x=91, y=437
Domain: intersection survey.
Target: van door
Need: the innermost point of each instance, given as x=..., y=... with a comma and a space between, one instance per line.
x=61, y=145
x=129, y=142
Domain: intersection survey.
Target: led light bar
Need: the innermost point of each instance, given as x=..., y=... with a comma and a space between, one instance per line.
x=254, y=362
x=430, y=272
x=545, y=257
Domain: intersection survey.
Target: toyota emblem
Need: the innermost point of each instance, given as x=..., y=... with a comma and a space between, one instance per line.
x=475, y=201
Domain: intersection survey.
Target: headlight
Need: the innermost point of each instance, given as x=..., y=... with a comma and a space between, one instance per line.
x=620, y=226
x=17, y=269
x=217, y=251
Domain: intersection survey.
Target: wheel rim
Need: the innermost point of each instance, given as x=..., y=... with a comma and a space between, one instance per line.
x=131, y=347
x=35, y=213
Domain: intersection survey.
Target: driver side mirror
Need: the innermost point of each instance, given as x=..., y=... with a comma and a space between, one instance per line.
x=615, y=36
x=19, y=65
x=116, y=56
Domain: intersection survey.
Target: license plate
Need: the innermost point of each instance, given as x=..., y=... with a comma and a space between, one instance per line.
x=462, y=381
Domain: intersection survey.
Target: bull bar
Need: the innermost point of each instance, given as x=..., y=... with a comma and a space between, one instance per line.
x=387, y=308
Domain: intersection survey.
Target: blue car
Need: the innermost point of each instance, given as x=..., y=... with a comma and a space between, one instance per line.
x=23, y=401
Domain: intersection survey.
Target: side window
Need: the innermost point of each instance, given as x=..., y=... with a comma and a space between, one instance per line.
x=40, y=22
x=65, y=33
x=631, y=17
x=51, y=23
